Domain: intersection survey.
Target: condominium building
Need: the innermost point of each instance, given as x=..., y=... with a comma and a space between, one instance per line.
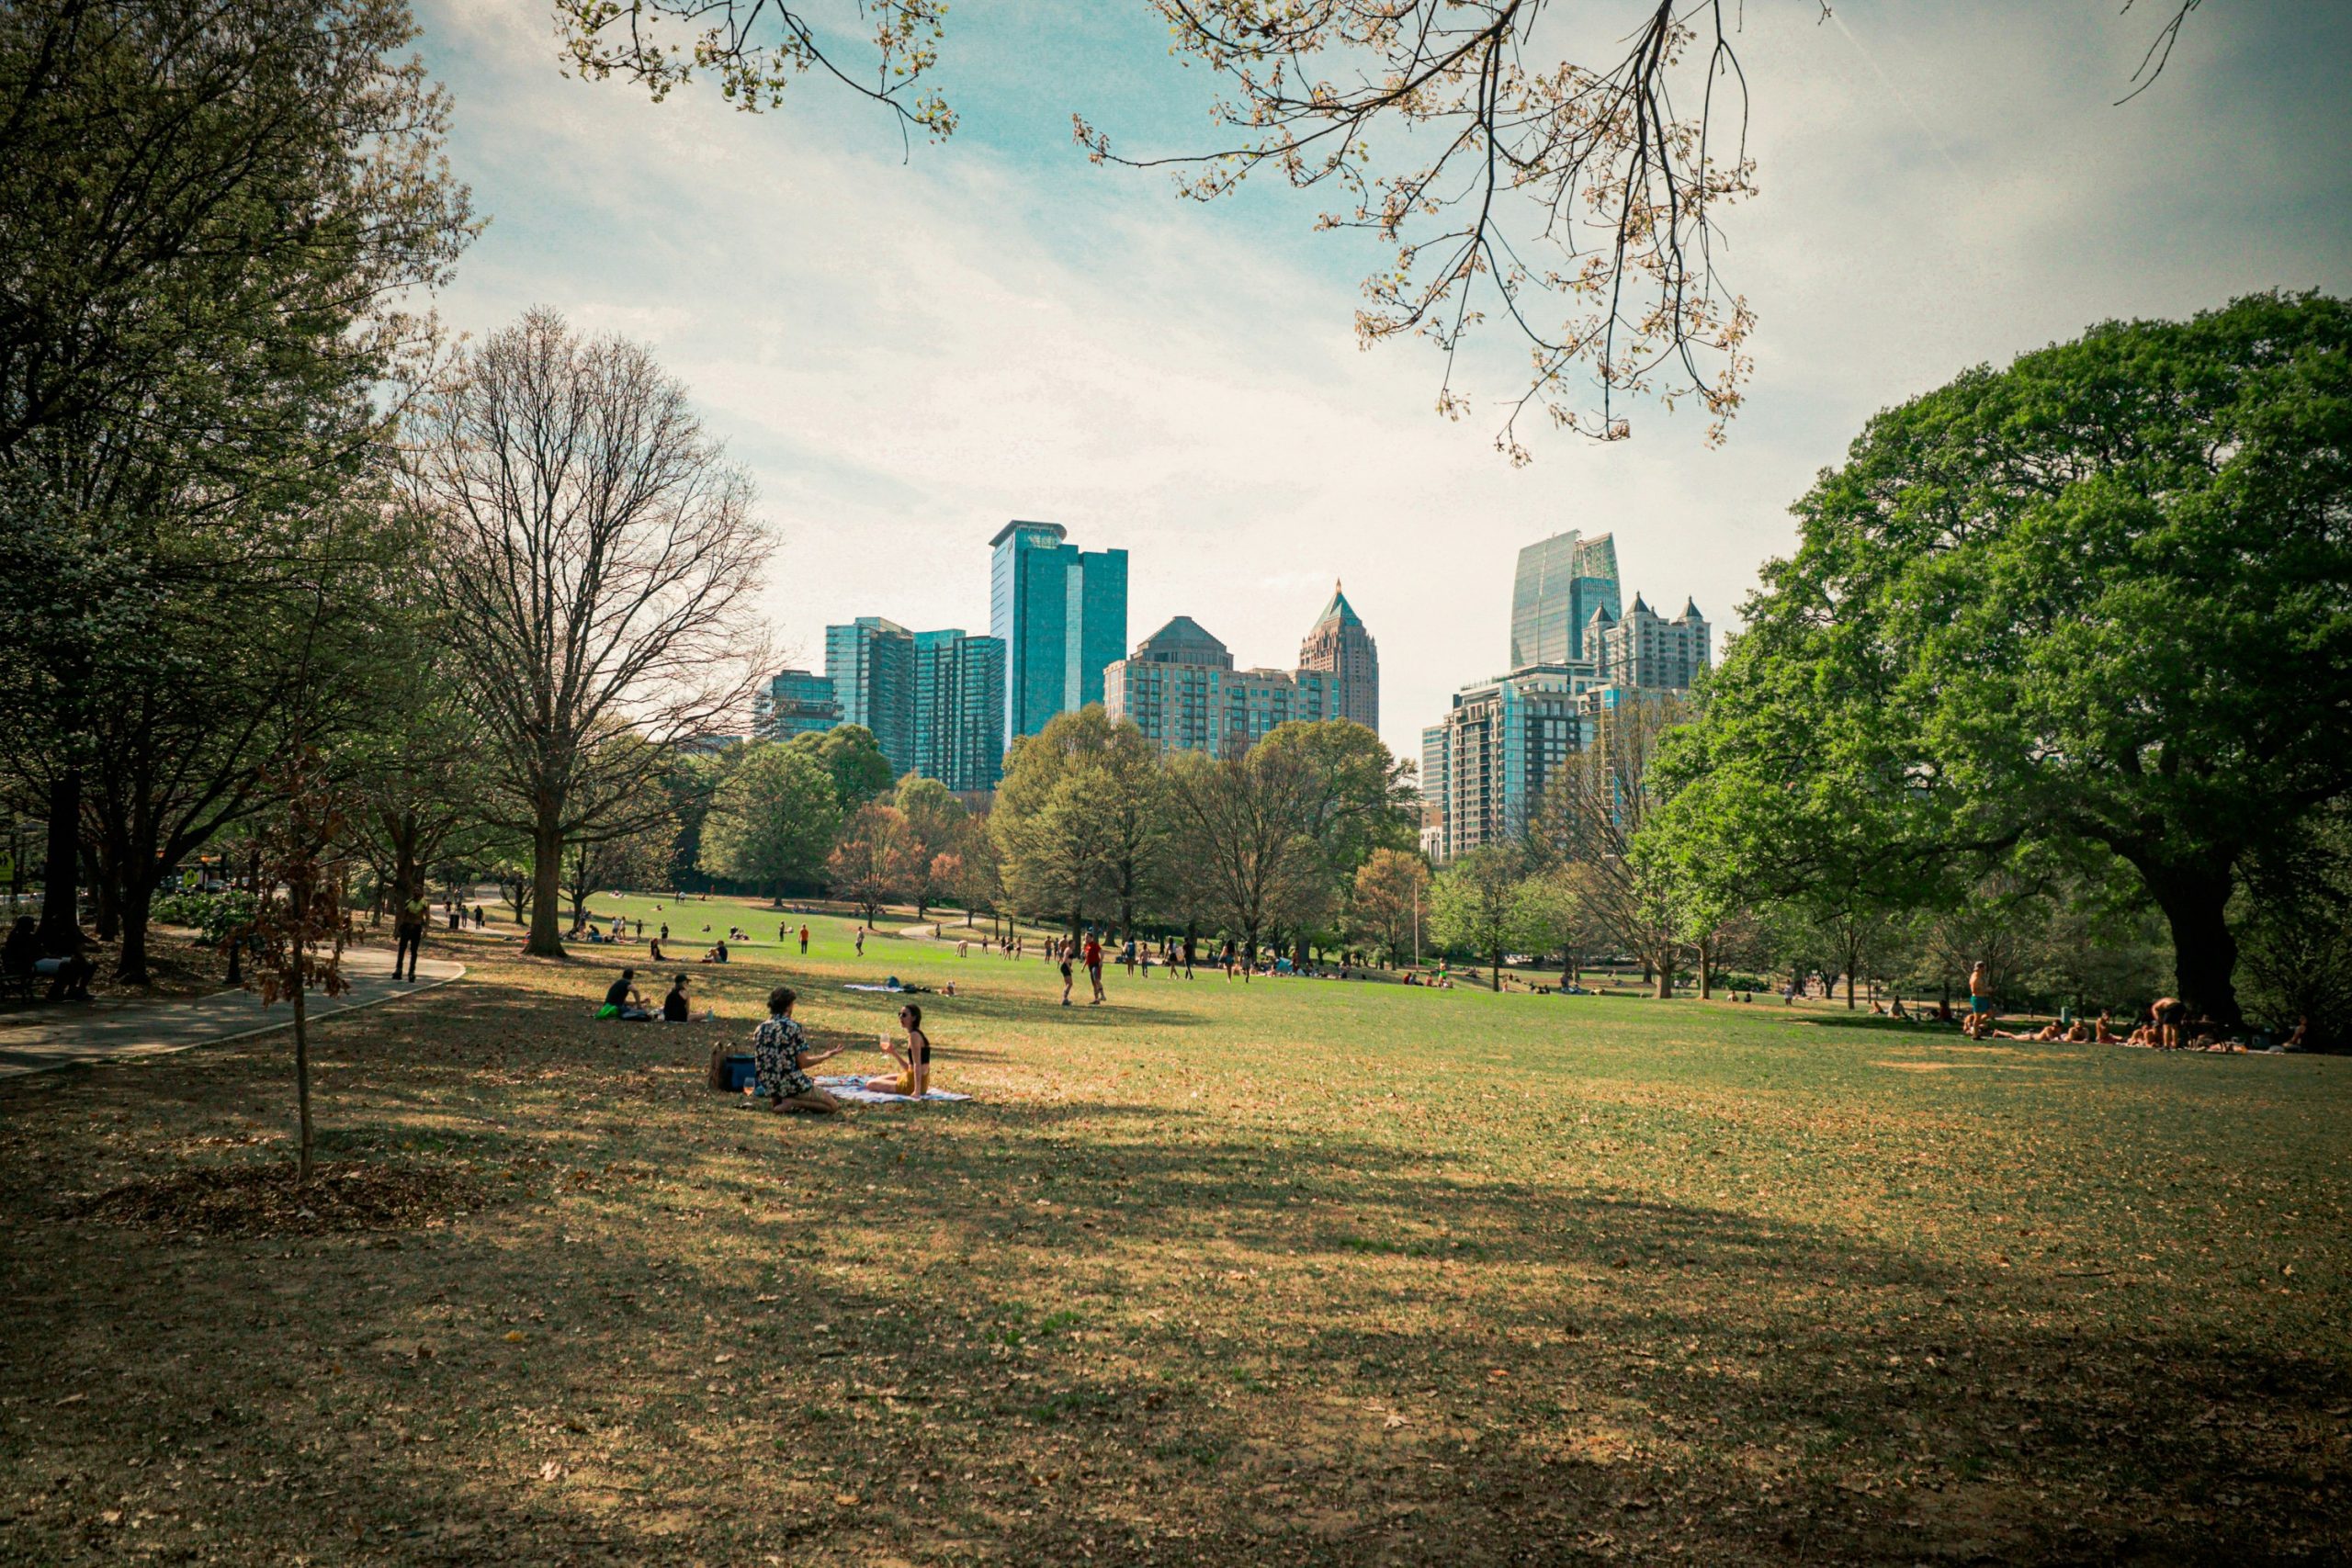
x=1647, y=651
x=1485, y=765
x=796, y=702
x=1560, y=583
x=1180, y=689
x=934, y=700
x=1061, y=613
x=1338, y=646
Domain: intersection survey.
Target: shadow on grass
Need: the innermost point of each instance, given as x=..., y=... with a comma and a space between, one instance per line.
x=1092, y=1331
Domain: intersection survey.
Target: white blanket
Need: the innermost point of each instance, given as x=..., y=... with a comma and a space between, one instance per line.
x=854, y=1092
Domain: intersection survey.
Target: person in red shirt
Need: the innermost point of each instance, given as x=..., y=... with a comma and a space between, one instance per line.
x=1094, y=967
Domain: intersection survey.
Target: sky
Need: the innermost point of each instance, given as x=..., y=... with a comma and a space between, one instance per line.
x=909, y=346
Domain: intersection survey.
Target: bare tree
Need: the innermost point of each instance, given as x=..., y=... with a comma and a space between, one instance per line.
x=1591, y=811
x=597, y=556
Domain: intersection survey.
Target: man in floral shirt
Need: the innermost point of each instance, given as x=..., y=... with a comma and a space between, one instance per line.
x=781, y=1057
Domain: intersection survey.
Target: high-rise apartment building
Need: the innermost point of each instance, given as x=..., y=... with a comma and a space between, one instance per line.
x=959, y=709
x=1338, y=646
x=871, y=664
x=1485, y=765
x=1061, y=613
x=1649, y=652
x=796, y=702
x=1560, y=582
x=1180, y=689
x=934, y=700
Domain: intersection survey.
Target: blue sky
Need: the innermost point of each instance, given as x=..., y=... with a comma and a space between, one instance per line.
x=907, y=349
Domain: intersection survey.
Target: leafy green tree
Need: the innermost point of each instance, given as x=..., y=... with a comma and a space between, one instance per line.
x=1353, y=797
x=772, y=819
x=2100, y=600
x=1079, y=821
x=213, y=217
x=852, y=758
x=1478, y=905
x=936, y=818
x=1241, y=834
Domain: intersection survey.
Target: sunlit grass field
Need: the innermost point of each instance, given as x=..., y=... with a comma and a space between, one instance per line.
x=1296, y=1271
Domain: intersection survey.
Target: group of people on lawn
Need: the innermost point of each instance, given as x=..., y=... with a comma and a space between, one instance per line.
x=2165, y=1027
x=780, y=1056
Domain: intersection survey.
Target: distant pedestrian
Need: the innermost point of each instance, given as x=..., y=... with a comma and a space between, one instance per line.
x=1094, y=968
x=804, y=939
x=1068, y=979
x=861, y=941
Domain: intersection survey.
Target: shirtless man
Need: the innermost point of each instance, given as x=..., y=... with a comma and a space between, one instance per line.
x=2169, y=1014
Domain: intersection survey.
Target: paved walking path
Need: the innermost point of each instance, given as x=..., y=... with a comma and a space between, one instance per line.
x=72, y=1033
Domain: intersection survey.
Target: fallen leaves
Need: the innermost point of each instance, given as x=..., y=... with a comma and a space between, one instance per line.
x=268, y=1200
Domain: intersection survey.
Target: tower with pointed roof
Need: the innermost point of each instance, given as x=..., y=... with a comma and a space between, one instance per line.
x=1339, y=645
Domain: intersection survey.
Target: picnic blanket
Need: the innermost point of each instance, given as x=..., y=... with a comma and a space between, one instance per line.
x=854, y=1092
x=887, y=991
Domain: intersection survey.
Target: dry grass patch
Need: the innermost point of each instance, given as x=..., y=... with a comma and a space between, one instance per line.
x=1295, y=1273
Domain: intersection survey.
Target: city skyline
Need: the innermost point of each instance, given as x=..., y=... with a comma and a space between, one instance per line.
x=1006, y=331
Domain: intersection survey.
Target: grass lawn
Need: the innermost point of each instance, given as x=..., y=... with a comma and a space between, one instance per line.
x=1295, y=1272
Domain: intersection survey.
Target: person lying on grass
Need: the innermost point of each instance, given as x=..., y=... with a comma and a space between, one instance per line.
x=914, y=1075
x=781, y=1059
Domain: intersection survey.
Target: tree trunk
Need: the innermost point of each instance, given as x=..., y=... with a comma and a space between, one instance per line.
x=1666, y=980
x=1495, y=975
x=61, y=916
x=105, y=880
x=547, y=892
x=1850, y=987
x=2204, y=952
x=302, y=1069
x=1706, y=972
x=130, y=960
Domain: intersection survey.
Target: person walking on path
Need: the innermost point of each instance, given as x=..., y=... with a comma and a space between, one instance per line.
x=408, y=935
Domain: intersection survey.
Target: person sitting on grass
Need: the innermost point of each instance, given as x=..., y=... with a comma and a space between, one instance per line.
x=675, y=1008
x=914, y=1075
x=622, y=1001
x=781, y=1060
x=717, y=954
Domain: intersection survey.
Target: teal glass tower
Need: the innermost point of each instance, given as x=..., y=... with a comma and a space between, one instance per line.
x=959, y=709
x=871, y=664
x=1061, y=613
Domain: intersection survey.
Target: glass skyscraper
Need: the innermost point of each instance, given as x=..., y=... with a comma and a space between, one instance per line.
x=1560, y=582
x=871, y=664
x=1061, y=613
x=959, y=709
x=934, y=700
x=797, y=703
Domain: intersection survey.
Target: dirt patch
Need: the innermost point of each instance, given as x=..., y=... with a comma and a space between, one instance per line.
x=266, y=1200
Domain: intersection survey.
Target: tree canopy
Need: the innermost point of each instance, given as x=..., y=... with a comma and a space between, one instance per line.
x=2100, y=601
